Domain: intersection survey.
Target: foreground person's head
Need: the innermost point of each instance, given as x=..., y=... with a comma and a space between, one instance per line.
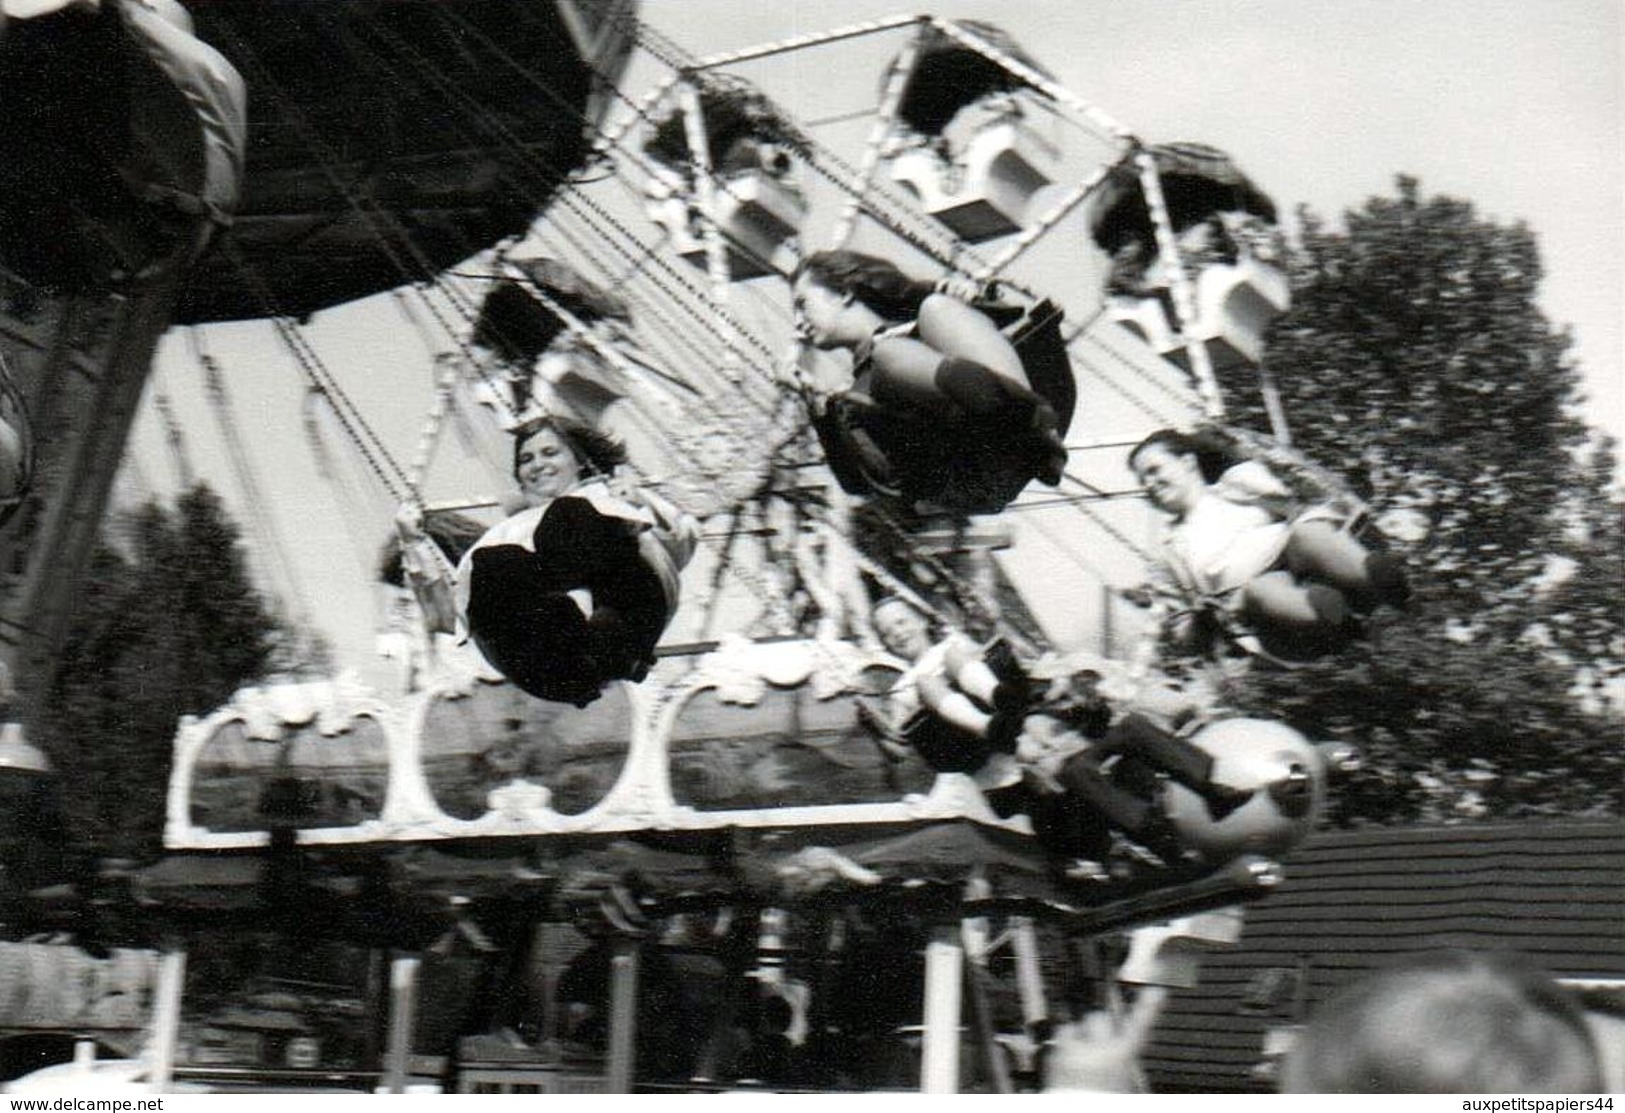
x=1455, y=1022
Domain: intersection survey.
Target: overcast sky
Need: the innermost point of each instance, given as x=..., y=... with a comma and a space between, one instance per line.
x=1512, y=105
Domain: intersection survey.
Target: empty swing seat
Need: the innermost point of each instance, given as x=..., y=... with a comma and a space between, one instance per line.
x=987, y=193
x=757, y=213
x=1234, y=307
x=1148, y=319
x=1235, y=304
x=579, y=381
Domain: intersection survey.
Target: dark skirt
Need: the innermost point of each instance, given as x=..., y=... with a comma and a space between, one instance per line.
x=535, y=635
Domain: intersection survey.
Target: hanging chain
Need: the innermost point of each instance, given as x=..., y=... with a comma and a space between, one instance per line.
x=372, y=448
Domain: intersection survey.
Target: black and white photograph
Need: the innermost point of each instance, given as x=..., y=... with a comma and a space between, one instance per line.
x=593, y=547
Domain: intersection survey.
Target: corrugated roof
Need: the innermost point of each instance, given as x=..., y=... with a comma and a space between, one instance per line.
x=1354, y=900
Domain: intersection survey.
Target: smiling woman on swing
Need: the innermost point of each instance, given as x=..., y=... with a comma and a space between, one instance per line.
x=1243, y=558
x=574, y=590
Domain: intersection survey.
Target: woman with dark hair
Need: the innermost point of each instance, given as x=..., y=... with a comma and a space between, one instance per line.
x=947, y=676
x=1241, y=556
x=574, y=590
x=1037, y=749
x=941, y=407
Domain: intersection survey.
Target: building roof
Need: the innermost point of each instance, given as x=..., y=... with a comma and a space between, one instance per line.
x=1355, y=900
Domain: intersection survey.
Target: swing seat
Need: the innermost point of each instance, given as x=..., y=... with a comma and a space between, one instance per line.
x=1170, y=954
x=671, y=209
x=1005, y=164
x=520, y=617
x=519, y=326
x=959, y=466
x=1147, y=319
x=944, y=747
x=758, y=211
x=1235, y=305
x=580, y=381
x=948, y=748
x=1281, y=774
x=122, y=147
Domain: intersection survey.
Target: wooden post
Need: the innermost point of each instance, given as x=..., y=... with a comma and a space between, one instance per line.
x=944, y=971
x=377, y=958
x=403, y=994
x=982, y=1020
x=623, y=1018
x=166, y=1017
x=552, y=969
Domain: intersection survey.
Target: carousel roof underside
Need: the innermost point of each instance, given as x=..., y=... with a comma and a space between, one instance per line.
x=388, y=141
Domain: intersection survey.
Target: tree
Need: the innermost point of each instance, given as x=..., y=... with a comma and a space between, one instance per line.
x=1416, y=362
x=168, y=625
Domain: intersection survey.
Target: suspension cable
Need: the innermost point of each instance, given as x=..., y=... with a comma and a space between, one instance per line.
x=372, y=448
x=1085, y=507
x=573, y=201
x=269, y=538
x=378, y=220
x=456, y=21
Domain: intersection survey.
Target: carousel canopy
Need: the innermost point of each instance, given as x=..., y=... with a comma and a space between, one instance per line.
x=519, y=326
x=409, y=895
x=1197, y=181
x=733, y=109
x=949, y=75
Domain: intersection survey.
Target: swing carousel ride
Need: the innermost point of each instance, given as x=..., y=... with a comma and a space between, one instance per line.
x=710, y=735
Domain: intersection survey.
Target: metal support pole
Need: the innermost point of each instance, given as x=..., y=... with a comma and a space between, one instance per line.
x=1108, y=609
x=1273, y=407
x=1029, y=977
x=974, y=932
x=944, y=975
x=1179, y=285
x=896, y=83
x=623, y=1019
x=403, y=1003
x=705, y=187
x=166, y=1017
x=801, y=42
x=994, y=1063
x=705, y=196
x=610, y=138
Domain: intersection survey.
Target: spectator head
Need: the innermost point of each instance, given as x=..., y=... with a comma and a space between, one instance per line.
x=1449, y=1023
